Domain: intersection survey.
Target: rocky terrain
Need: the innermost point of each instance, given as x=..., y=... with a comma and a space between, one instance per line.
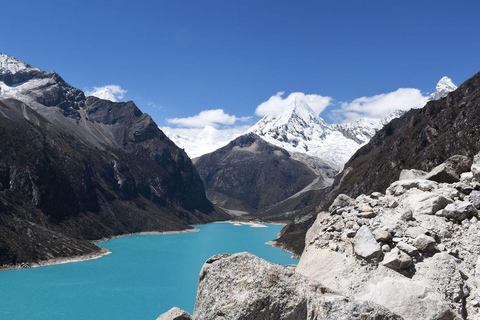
x=411, y=252
x=421, y=139
x=75, y=169
x=412, y=249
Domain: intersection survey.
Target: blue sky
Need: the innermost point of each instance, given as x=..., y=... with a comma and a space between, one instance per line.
x=178, y=58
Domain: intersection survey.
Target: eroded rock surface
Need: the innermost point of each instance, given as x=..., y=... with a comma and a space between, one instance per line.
x=244, y=286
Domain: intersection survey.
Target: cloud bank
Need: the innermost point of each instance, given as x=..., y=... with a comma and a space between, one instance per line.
x=111, y=92
x=276, y=104
x=213, y=118
x=381, y=105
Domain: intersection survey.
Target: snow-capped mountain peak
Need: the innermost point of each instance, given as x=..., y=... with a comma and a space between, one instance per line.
x=443, y=88
x=10, y=65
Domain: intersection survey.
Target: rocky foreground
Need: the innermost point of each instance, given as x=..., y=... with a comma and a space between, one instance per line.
x=410, y=253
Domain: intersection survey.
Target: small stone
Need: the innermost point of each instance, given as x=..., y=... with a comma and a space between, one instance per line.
x=407, y=215
x=350, y=233
x=376, y=195
x=386, y=248
x=333, y=246
x=424, y=243
x=397, y=260
x=441, y=247
x=396, y=239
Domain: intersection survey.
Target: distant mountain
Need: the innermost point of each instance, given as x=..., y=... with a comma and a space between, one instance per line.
x=76, y=168
x=250, y=174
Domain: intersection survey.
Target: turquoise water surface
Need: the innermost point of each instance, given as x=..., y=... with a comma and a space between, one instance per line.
x=143, y=277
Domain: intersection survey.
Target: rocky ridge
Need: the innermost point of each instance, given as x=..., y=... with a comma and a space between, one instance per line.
x=413, y=249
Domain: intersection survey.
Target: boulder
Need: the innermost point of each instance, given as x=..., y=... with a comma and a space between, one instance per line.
x=474, y=199
x=397, y=260
x=475, y=168
x=424, y=243
x=244, y=286
x=450, y=170
x=405, y=247
x=175, y=314
x=340, y=202
x=458, y=211
x=400, y=187
x=382, y=235
x=365, y=245
x=408, y=174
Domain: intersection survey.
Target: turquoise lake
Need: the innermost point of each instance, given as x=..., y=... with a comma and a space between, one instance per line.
x=143, y=277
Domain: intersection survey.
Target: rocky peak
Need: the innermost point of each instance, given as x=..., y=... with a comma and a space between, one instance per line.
x=11, y=65
x=443, y=88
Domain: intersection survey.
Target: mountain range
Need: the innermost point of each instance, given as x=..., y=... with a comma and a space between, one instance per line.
x=74, y=169
x=232, y=178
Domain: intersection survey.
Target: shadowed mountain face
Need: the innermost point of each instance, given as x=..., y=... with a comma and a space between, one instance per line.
x=250, y=174
x=420, y=139
x=74, y=169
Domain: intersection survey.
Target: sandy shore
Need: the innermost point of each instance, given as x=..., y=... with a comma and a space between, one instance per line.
x=253, y=224
x=55, y=261
x=146, y=233
x=91, y=256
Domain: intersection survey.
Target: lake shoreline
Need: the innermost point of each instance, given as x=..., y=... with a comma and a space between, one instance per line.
x=104, y=252
x=89, y=256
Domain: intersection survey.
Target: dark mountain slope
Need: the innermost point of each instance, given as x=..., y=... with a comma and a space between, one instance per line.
x=420, y=139
x=74, y=169
x=254, y=172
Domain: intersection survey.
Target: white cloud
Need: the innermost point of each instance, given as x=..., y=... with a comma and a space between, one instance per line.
x=276, y=104
x=213, y=118
x=110, y=92
x=199, y=141
x=382, y=105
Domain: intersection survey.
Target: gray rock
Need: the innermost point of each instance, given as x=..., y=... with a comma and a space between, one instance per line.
x=340, y=202
x=365, y=245
x=175, y=314
x=244, y=286
x=474, y=199
x=450, y=170
x=475, y=168
x=397, y=260
x=405, y=247
x=414, y=232
x=458, y=211
x=424, y=243
x=407, y=174
x=382, y=235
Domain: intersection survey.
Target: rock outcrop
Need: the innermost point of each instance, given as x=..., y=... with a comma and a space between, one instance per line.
x=243, y=286
x=175, y=314
x=429, y=236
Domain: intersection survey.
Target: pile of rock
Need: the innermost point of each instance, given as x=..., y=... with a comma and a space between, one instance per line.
x=413, y=249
